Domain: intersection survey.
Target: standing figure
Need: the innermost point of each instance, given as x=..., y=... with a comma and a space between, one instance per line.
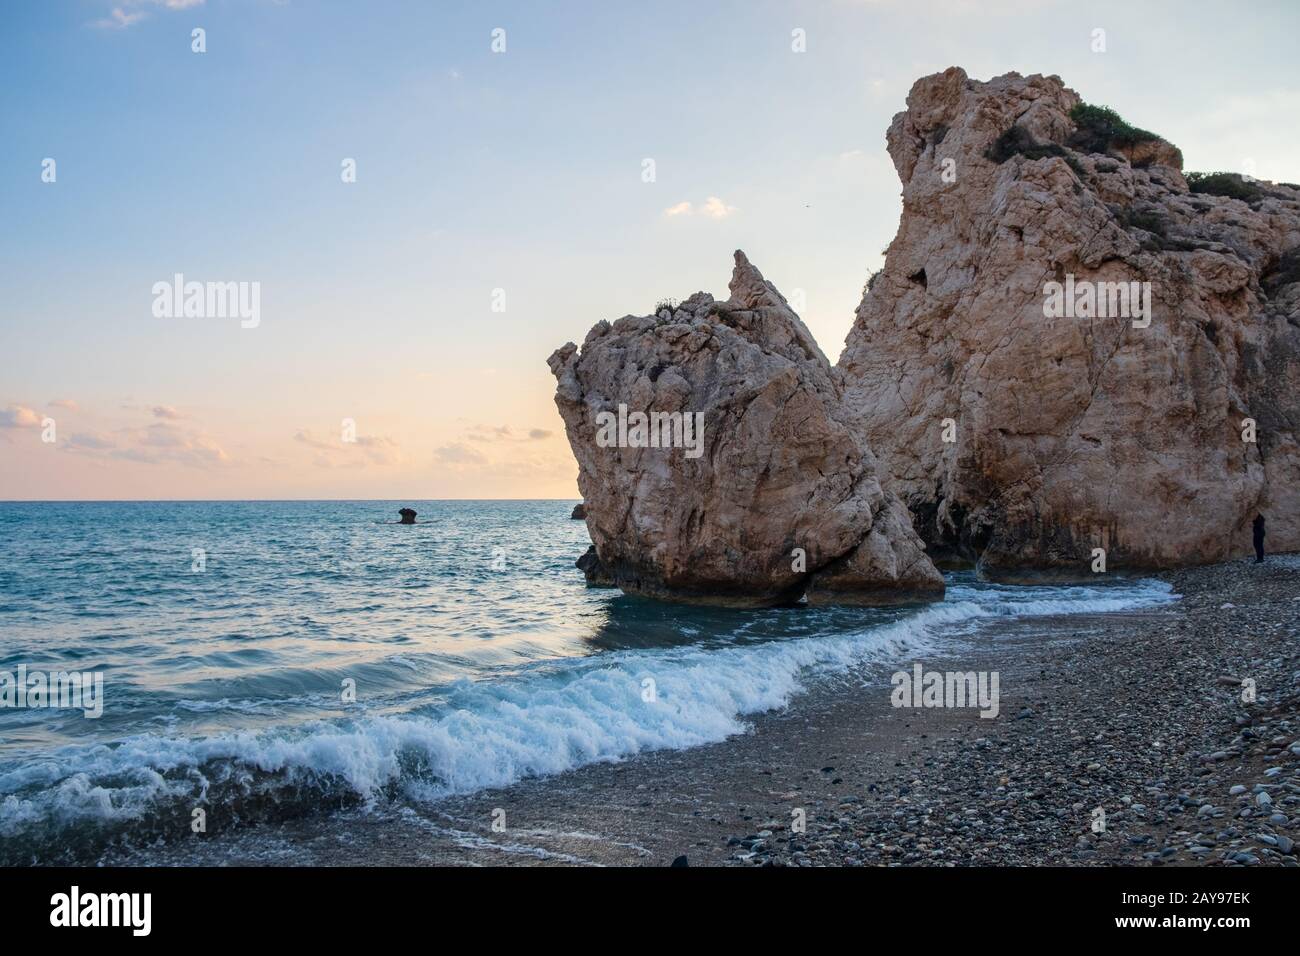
x=1259, y=539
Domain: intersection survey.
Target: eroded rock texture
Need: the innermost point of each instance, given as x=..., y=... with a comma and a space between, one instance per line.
x=776, y=469
x=1075, y=433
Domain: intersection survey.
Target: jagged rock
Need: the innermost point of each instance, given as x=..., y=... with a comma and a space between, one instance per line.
x=579, y=512
x=596, y=574
x=1075, y=433
x=408, y=516
x=759, y=461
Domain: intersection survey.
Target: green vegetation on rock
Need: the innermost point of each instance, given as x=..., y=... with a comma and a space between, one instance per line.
x=1100, y=128
x=1232, y=185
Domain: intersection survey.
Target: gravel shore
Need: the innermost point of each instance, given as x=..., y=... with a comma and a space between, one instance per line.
x=1140, y=715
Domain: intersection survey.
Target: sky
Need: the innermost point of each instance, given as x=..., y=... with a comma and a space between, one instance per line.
x=500, y=206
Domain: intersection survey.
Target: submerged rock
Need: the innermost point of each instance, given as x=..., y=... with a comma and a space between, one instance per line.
x=408, y=516
x=1024, y=442
x=716, y=465
x=596, y=574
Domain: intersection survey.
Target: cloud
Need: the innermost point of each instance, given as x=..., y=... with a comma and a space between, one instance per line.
x=19, y=416
x=67, y=403
x=489, y=432
x=162, y=442
x=458, y=454
x=154, y=444
x=165, y=411
x=380, y=450
x=306, y=438
x=118, y=19
x=91, y=441
x=376, y=449
x=713, y=208
x=129, y=12
x=495, y=433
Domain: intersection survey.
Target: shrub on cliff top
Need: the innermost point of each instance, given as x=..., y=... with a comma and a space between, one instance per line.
x=1231, y=185
x=1100, y=127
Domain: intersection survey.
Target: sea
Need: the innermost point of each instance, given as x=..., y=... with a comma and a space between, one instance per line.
x=270, y=660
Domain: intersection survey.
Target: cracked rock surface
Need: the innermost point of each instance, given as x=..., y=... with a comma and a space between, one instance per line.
x=782, y=497
x=1075, y=433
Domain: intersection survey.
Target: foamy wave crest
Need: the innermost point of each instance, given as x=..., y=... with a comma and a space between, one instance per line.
x=545, y=721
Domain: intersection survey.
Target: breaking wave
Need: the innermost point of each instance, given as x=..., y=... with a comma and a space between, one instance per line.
x=544, y=719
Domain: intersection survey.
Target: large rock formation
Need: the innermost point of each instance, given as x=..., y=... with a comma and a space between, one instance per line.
x=1075, y=433
x=746, y=487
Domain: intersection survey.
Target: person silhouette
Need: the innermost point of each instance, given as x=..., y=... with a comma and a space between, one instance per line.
x=1259, y=539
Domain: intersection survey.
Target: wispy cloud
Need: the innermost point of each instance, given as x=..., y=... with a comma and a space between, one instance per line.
x=94, y=441
x=117, y=19
x=712, y=208
x=375, y=449
x=154, y=444
x=495, y=433
x=19, y=416
x=458, y=454
x=130, y=12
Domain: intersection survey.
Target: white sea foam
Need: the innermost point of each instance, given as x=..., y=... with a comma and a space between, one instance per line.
x=544, y=721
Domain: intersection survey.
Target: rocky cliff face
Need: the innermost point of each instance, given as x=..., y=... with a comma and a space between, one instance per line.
x=716, y=465
x=1094, y=428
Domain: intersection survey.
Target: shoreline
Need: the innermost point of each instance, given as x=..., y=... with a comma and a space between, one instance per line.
x=1130, y=711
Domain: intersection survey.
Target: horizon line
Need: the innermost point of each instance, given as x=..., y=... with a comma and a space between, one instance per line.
x=164, y=501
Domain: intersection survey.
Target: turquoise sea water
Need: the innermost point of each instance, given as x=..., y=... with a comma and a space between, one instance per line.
x=263, y=659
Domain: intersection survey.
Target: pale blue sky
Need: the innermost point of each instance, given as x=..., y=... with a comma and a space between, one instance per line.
x=478, y=171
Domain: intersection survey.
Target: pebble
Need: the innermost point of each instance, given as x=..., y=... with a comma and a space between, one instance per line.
x=1186, y=773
